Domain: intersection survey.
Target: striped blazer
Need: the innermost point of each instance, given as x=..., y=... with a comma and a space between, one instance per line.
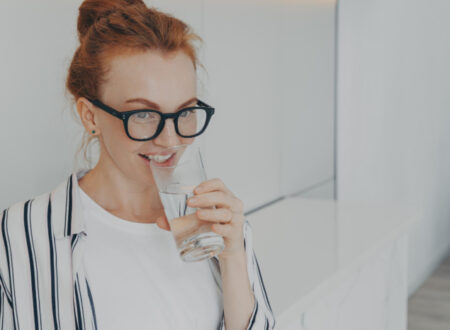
x=42, y=281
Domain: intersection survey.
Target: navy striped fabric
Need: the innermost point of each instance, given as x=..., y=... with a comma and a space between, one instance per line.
x=43, y=284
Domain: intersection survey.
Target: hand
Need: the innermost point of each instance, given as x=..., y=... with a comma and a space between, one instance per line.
x=227, y=217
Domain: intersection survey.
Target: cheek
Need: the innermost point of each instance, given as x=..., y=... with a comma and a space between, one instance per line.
x=117, y=143
x=186, y=140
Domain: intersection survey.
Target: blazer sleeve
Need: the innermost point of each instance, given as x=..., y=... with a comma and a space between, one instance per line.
x=262, y=317
x=6, y=311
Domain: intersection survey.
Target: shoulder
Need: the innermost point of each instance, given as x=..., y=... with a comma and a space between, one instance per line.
x=35, y=209
x=21, y=209
x=17, y=219
x=24, y=220
x=20, y=224
x=21, y=221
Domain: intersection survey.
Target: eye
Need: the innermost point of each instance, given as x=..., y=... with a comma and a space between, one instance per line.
x=186, y=113
x=144, y=117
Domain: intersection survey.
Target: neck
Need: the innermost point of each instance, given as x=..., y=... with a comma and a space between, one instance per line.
x=120, y=195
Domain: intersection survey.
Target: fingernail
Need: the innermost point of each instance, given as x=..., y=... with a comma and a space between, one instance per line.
x=192, y=200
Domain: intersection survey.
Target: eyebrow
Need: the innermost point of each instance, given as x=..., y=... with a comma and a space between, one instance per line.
x=155, y=106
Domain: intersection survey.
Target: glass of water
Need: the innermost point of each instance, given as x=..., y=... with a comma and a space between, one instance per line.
x=176, y=179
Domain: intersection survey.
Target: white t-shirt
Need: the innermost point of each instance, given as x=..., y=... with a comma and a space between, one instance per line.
x=138, y=281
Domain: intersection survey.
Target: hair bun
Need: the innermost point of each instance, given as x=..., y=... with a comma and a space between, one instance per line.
x=91, y=10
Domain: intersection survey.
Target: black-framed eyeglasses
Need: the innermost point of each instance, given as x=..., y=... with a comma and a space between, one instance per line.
x=147, y=124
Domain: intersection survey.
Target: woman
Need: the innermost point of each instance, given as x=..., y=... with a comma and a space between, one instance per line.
x=97, y=251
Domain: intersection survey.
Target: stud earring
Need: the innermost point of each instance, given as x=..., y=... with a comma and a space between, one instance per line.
x=93, y=132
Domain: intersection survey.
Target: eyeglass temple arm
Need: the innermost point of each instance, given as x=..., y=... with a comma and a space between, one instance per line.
x=203, y=104
x=106, y=108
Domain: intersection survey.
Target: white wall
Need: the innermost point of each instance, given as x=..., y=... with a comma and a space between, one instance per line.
x=307, y=81
x=393, y=114
x=38, y=136
x=272, y=64
x=266, y=62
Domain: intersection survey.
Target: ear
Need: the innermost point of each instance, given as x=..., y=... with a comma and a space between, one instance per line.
x=88, y=115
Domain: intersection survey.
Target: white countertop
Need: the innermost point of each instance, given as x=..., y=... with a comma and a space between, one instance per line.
x=306, y=247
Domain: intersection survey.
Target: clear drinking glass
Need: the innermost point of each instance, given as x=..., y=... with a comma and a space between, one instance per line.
x=176, y=179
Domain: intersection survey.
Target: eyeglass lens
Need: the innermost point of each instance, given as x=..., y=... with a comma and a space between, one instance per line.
x=143, y=125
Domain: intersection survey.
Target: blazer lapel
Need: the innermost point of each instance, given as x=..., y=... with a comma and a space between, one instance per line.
x=73, y=302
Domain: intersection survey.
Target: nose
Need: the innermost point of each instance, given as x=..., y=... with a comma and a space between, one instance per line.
x=168, y=136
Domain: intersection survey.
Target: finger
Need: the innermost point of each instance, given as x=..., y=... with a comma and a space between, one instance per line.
x=215, y=215
x=217, y=199
x=225, y=230
x=163, y=223
x=209, y=199
x=211, y=185
x=238, y=219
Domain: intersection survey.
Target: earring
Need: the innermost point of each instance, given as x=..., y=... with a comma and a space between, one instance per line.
x=93, y=132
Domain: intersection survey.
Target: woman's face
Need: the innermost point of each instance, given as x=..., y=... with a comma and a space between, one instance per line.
x=167, y=82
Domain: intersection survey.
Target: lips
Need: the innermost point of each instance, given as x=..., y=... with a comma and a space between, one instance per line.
x=162, y=153
x=157, y=158
x=162, y=162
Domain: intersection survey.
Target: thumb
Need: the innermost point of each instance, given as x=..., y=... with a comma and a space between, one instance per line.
x=163, y=223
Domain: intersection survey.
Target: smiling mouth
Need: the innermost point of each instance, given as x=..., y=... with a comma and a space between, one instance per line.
x=157, y=158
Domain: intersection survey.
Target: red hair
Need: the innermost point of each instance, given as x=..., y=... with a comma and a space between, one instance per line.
x=110, y=27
